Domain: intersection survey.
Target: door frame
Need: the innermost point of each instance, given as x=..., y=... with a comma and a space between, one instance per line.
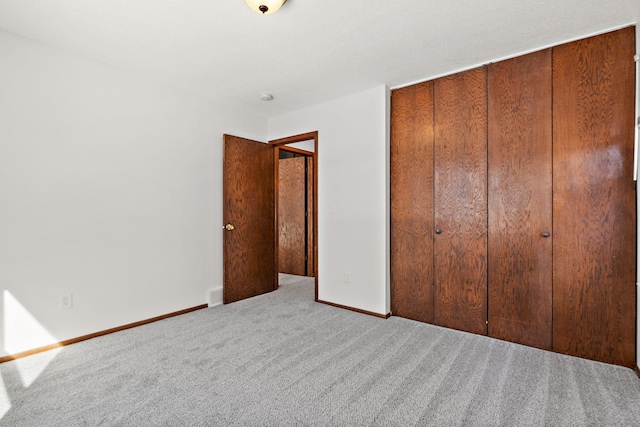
x=277, y=143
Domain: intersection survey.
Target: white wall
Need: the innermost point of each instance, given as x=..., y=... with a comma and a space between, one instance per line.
x=304, y=145
x=353, y=179
x=110, y=189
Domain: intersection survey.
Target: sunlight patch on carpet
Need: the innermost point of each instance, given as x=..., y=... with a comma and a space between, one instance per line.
x=5, y=402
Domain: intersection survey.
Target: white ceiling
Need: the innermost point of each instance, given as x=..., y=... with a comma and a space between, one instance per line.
x=309, y=51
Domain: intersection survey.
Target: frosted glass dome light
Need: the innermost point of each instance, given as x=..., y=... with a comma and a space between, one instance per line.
x=265, y=7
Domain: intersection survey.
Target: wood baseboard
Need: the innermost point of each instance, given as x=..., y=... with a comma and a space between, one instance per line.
x=357, y=310
x=637, y=369
x=26, y=353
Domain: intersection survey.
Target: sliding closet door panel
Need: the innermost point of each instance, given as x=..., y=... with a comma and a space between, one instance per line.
x=412, y=202
x=520, y=200
x=461, y=201
x=594, y=200
x=310, y=214
x=292, y=225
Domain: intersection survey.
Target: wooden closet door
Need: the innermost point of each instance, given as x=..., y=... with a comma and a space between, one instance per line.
x=412, y=202
x=461, y=201
x=520, y=200
x=310, y=215
x=594, y=270
x=292, y=231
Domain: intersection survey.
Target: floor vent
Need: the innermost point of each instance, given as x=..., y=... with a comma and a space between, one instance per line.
x=214, y=297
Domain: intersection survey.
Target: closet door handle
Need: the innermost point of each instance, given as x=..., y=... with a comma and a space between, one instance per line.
x=545, y=234
x=438, y=231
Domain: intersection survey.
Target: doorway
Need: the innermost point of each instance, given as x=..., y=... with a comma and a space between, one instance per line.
x=295, y=211
x=296, y=188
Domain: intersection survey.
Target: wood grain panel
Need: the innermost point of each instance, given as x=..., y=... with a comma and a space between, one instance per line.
x=292, y=193
x=310, y=215
x=461, y=201
x=520, y=200
x=412, y=202
x=248, y=204
x=594, y=200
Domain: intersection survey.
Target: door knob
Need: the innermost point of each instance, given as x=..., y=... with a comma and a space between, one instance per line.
x=228, y=227
x=545, y=234
x=438, y=231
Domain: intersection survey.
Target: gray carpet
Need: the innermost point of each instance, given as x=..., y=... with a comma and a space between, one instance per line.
x=283, y=360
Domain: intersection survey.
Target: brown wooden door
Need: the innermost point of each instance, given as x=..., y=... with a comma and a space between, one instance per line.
x=594, y=269
x=412, y=202
x=461, y=201
x=310, y=218
x=248, y=206
x=520, y=200
x=292, y=232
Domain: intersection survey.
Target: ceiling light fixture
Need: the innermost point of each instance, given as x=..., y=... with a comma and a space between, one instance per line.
x=265, y=7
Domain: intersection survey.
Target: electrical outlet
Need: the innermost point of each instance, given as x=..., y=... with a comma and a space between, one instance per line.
x=347, y=277
x=66, y=301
